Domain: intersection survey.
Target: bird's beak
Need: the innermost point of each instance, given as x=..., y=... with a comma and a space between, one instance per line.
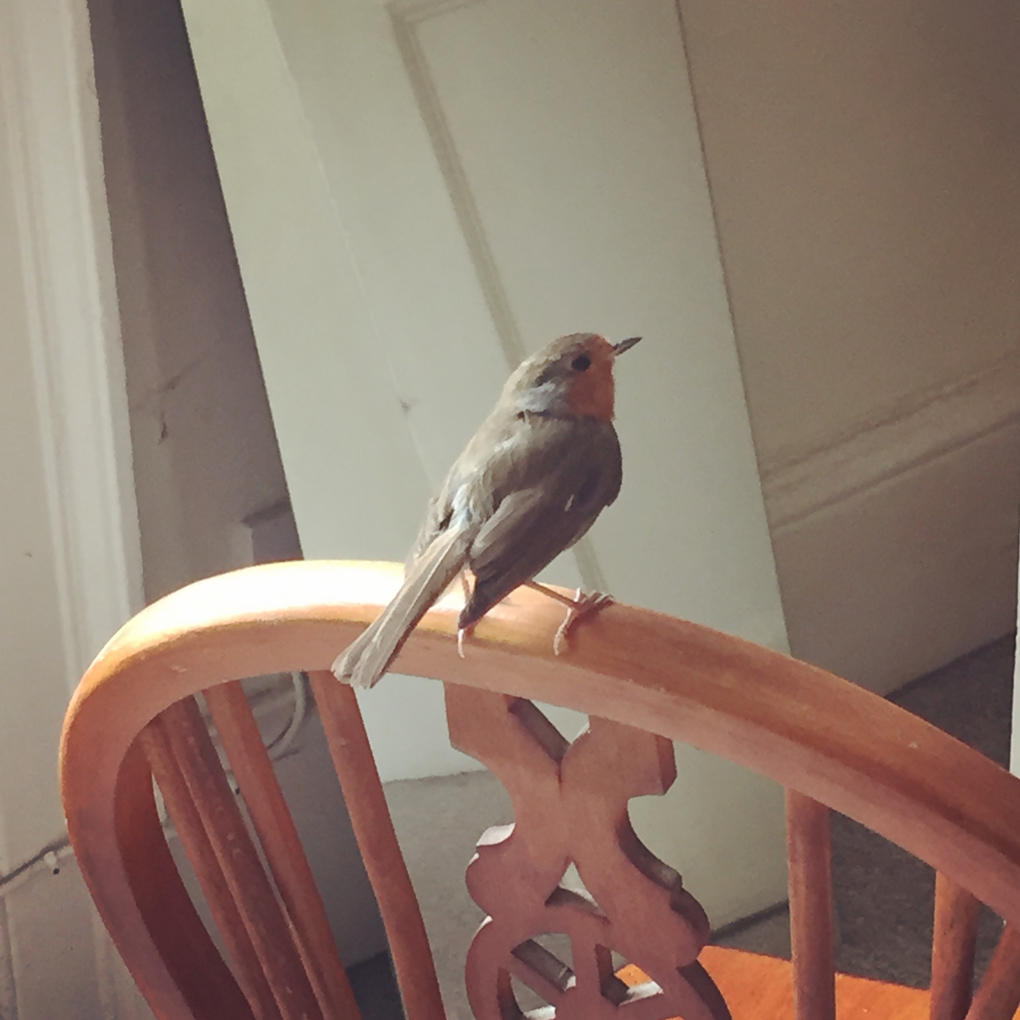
x=625, y=345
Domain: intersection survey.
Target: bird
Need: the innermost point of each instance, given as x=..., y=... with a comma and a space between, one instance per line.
x=531, y=482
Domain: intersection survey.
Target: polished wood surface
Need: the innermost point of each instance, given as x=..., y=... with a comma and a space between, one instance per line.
x=278, y=837
x=762, y=988
x=819, y=736
x=380, y=851
x=999, y=994
x=952, y=952
x=237, y=871
x=809, y=854
x=571, y=805
x=168, y=908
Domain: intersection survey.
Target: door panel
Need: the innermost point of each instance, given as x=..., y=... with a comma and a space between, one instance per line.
x=571, y=150
x=420, y=195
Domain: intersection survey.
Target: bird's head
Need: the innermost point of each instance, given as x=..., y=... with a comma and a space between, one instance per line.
x=572, y=377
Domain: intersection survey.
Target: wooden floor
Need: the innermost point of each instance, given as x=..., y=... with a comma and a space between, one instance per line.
x=759, y=987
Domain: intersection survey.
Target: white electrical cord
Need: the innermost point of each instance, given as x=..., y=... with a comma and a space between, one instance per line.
x=54, y=853
x=280, y=745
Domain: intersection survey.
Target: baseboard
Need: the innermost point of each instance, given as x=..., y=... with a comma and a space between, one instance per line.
x=896, y=545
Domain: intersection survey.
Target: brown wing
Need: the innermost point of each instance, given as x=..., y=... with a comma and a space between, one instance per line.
x=534, y=523
x=489, y=465
x=437, y=518
x=509, y=452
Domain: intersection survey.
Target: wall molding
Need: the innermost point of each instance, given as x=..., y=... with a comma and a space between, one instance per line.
x=922, y=427
x=52, y=123
x=50, y=117
x=896, y=544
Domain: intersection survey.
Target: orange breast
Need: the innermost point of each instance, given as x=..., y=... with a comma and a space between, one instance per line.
x=591, y=394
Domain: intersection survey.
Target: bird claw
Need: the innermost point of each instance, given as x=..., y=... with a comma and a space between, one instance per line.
x=584, y=604
x=461, y=631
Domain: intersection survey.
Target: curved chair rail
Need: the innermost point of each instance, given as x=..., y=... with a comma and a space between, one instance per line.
x=809, y=730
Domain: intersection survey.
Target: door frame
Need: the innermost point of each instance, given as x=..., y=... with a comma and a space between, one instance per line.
x=51, y=124
x=50, y=128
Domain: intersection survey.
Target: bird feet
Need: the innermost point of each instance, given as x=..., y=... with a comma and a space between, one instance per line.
x=581, y=605
x=584, y=604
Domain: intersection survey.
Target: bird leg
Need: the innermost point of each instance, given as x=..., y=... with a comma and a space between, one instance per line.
x=465, y=584
x=581, y=605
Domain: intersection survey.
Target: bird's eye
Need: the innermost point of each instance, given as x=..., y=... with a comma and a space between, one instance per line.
x=581, y=363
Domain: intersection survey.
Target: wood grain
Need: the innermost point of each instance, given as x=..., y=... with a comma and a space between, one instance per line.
x=999, y=994
x=814, y=733
x=809, y=851
x=192, y=979
x=281, y=844
x=570, y=805
x=155, y=742
x=380, y=851
x=237, y=860
x=760, y=987
x=952, y=951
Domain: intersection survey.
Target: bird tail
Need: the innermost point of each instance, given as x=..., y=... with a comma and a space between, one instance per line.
x=369, y=656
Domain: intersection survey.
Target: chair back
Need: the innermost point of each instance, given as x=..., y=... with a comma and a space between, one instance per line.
x=644, y=679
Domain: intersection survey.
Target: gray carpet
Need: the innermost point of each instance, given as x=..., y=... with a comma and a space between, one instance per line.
x=884, y=897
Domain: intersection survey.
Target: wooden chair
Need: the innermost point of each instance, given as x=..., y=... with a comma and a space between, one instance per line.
x=644, y=678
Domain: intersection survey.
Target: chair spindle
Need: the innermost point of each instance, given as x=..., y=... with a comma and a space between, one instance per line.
x=952, y=949
x=809, y=850
x=281, y=845
x=999, y=994
x=155, y=743
x=384, y=862
x=249, y=886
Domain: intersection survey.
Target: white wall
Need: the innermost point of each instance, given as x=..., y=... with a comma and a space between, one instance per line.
x=864, y=163
x=33, y=680
x=69, y=563
x=863, y=175
x=70, y=556
x=863, y=166
x=204, y=449
x=865, y=169
x=409, y=281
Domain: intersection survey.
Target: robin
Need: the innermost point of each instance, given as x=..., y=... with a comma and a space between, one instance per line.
x=530, y=483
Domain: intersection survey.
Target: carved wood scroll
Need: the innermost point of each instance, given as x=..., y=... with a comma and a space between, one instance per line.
x=570, y=805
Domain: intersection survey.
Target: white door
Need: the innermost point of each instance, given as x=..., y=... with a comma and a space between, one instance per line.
x=422, y=193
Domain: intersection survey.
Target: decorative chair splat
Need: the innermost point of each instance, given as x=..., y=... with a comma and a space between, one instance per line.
x=570, y=807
